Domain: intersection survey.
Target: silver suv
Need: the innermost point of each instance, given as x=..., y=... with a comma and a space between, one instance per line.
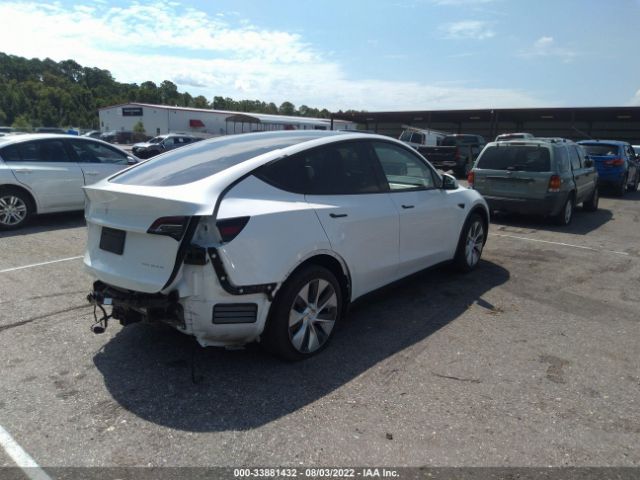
x=547, y=176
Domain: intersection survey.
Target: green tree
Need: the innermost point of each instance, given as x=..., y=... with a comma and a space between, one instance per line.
x=22, y=123
x=139, y=127
x=287, y=108
x=200, y=102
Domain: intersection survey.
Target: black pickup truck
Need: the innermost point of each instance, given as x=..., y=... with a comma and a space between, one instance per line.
x=455, y=152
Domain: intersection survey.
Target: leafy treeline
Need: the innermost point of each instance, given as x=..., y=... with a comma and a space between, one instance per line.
x=37, y=93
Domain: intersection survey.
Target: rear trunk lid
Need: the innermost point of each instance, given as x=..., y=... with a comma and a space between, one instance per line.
x=120, y=250
x=513, y=171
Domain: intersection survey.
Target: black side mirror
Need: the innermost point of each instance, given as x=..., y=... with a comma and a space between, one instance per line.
x=449, y=182
x=588, y=162
x=131, y=161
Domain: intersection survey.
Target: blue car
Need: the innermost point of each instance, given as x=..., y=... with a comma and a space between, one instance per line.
x=616, y=164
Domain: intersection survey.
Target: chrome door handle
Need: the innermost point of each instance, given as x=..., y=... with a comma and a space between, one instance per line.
x=92, y=173
x=23, y=170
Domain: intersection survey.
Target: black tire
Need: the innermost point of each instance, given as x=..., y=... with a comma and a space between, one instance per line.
x=621, y=189
x=466, y=260
x=281, y=335
x=591, y=205
x=16, y=207
x=634, y=186
x=565, y=215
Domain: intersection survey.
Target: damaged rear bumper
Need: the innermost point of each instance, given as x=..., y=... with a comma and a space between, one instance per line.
x=131, y=307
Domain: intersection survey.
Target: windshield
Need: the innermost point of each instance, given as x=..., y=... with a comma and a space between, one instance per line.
x=516, y=158
x=203, y=159
x=156, y=139
x=600, y=149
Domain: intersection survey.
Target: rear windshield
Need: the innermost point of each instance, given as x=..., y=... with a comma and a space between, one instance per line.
x=203, y=159
x=516, y=157
x=457, y=141
x=600, y=149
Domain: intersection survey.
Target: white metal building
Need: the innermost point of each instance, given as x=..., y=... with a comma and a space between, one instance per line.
x=160, y=119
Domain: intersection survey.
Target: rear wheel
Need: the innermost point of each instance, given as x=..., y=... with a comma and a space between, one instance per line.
x=566, y=214
x=15, y=208
x=471, y=243
x=621, y=188
x=304, y=314
x=634, y=186
x=592, y=204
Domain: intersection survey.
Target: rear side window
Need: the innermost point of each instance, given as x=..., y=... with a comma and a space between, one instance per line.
x=516, y=158
x=43, y=151
x=576, y=163
x=203, y=159
x=336, y=169
x=601, y=149
x=10, y=154
x=562, y=159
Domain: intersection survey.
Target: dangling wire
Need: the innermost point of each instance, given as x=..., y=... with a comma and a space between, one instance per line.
x=99, y=325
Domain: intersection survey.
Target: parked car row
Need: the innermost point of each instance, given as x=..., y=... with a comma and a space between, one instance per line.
x=551, y=176
x=269, y=236
x=44, y=173
x=161, y=144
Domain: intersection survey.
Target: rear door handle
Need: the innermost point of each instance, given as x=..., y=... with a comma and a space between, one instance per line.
x=92, y=173
x=23, y=170
x=408, y=206
x=337, y=215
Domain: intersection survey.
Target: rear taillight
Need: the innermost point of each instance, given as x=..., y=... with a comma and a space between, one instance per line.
x=615, y=162
x=231, y=227
x=173, y=227
x=554, y=183
x=471, y=178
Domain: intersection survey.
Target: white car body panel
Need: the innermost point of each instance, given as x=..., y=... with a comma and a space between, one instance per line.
x=58, y=185
x=366, y=238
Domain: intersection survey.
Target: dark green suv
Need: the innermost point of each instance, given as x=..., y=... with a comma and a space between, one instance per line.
x=545, y=176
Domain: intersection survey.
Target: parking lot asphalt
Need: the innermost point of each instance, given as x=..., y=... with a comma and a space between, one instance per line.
x=532, y=360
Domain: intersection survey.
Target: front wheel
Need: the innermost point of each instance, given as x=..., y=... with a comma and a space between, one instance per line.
x=470, y=245
x=304, y=314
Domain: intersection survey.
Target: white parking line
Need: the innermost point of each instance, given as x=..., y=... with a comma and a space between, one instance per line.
x=22, y=459
x=40, y=264
x=559, y=243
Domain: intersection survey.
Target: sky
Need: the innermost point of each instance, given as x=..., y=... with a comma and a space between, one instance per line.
x=370, y=55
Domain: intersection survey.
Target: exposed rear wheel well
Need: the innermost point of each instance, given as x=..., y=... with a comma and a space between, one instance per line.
x=15, y=188
x=335, y=267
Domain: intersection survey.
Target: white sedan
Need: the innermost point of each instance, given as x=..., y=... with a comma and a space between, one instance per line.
x=45, y=173
x=269, y=236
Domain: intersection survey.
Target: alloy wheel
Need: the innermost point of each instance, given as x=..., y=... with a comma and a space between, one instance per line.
x=474, y=243
x=312, y=316
x=13, y=210
x=568, y=211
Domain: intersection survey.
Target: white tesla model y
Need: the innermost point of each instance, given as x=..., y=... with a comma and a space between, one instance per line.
x=269, y=236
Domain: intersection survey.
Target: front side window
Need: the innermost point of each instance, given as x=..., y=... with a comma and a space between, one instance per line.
x=418, y=138
x=402, y=169
x=336, y=169
x=92, y=152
